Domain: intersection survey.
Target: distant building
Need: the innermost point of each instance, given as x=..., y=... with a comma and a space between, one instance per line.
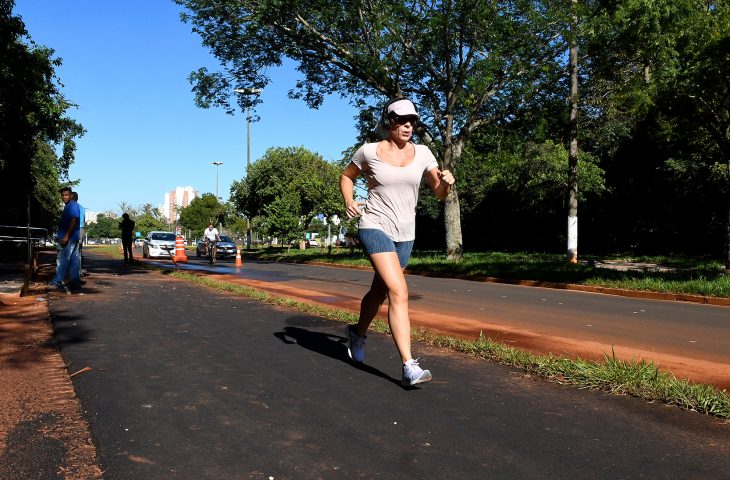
x=175, y=199
x=90, y=217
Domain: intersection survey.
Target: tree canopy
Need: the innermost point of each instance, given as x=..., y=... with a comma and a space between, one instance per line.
x=33, y=116
x=202, y=211
x=465, y=63
x=490, y=81
x=104, y=227
x=293, y=176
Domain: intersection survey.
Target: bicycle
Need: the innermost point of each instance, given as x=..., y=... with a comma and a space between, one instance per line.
x=211, y=250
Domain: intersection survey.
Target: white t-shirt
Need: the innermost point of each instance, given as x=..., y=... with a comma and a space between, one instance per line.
x=211, y=234
x=392, y=191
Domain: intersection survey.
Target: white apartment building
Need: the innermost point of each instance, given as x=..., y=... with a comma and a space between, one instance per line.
x=174, y=199
x=90, y=216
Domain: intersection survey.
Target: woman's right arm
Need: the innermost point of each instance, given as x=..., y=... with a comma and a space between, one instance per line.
x=347, y=187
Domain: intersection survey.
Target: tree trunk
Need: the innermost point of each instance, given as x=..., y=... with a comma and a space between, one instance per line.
x=727, y=232
x=452, y=210
x=452, y=221
x=573, y=138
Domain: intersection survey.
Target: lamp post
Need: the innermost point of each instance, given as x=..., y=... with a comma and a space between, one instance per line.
x=217, y=164
x=248, y=91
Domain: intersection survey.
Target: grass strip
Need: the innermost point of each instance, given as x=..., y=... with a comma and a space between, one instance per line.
x=637, y=378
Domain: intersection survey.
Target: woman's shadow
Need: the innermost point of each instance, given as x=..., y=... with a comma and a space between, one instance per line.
x=327, y=344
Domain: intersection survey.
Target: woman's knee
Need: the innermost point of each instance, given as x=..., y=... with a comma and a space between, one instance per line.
x=398, y=293
x=377, y=294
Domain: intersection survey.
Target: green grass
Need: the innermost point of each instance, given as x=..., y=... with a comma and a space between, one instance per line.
x=689, y=276
x=111, y=250
x=637, y=378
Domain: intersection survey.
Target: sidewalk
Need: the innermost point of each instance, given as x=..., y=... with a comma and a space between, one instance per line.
x=185, y=382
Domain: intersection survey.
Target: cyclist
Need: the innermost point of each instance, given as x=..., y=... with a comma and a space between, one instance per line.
x=212, y=237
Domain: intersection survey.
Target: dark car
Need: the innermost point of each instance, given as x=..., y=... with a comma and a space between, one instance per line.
x=226, y=248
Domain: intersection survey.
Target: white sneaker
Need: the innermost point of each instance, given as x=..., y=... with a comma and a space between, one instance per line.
x=413, y=374
x=355, y=344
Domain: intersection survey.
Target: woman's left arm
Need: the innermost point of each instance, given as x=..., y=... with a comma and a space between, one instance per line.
x=440, y=182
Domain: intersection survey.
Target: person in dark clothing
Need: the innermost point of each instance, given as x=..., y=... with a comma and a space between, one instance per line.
x=127, y=227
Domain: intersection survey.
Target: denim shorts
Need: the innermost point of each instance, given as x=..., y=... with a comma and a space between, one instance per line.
x=376, y=241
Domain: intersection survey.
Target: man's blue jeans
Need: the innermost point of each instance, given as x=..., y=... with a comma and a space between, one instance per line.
x=67, y=259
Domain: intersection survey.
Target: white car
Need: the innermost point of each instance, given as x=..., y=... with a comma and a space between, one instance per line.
x=158, y=244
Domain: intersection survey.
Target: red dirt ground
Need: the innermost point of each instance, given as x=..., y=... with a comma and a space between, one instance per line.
x=36, y=391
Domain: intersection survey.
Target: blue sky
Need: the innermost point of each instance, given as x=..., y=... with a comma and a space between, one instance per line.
x=126, y=63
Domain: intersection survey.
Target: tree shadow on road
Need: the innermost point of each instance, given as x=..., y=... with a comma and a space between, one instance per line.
x=329, y=345
x=66, y=331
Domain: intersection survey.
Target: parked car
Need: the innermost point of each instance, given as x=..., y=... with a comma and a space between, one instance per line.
x=226, y=248
x=158, y=244
x=139, y=242
x=312, y=242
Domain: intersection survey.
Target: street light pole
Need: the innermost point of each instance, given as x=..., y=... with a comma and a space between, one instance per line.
x=248, y=91
x=248, y=139
x=217, y=164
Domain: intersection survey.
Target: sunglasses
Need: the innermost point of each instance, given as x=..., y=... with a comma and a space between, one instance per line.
x=402, y=120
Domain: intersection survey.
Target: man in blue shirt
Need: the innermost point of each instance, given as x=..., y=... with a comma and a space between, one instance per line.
x=68, y=243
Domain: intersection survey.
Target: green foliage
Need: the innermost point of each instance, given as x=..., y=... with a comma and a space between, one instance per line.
x=283, y=218
x=290, y=176
x=466, y=63
x=463, y=61
x=149, y=219
x=655, y=100
x=104, y=227
x=46, y=203
x=33, y=112
x=319, y=227
x=540, y=173
x=490, y=82
x=202, y=211
x=235, y=224
x=633, y=50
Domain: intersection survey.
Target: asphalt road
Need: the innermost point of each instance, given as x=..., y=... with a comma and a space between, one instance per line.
x=195, y=384
x=689, y=339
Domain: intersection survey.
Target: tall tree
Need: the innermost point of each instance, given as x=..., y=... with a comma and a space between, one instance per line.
x=464, y=62
x=699, y=120
x=661, y=65
x=149, y=218
x=33, y=112
x=573, y=138
x=283, y=218
x=202, y=211
x=289, y=173
x=104, y=227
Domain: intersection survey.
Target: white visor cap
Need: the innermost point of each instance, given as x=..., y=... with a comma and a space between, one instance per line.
x=402, y=108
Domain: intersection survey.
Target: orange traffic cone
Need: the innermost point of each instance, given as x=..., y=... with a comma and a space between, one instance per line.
x=180, y=255
x=239, y=261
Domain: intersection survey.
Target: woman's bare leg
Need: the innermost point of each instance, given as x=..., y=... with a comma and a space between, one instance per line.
x=387, y=267
x=370, y=304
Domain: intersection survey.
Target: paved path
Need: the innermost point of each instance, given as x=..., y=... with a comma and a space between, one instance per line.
x=689, y=339
x=194, y=384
